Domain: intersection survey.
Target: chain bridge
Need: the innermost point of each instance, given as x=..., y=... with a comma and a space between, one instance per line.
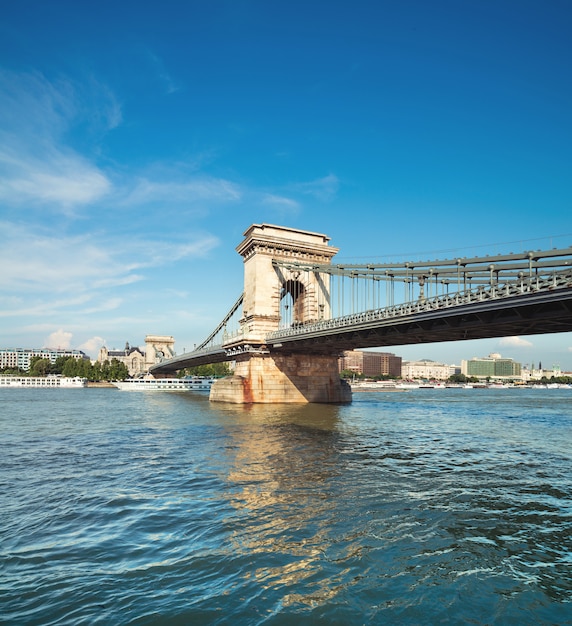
x=299, y=311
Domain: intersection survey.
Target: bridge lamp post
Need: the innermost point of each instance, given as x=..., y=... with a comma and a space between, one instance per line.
x=431, y=271
x=530, y=256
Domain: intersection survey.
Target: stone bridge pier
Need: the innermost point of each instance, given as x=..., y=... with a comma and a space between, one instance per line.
x=263, y=376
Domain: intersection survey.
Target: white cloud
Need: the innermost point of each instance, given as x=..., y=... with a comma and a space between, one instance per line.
x=145, y=191
x=46, y=262
x=515, y=342
x=280, y=202
x=171, y=86
x=64, y=180
x=92, y=346
x=324, y=189
x=37, y=166
x=59, y=339
x=41, y=305
x=49, y=263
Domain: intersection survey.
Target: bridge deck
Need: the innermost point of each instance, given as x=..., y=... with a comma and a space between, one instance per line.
x=526, y=314
x=485, y=315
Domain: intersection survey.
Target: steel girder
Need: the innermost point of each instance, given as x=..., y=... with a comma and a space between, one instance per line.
x=525, y=314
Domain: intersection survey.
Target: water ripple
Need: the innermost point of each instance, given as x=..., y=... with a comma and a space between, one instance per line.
x=413, y=508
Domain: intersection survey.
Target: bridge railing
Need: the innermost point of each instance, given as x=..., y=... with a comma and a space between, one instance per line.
x=351, y=288
x=557, y=280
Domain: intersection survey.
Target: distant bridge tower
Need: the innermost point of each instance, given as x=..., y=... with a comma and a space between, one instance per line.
x=263, y=376
x=157, y=348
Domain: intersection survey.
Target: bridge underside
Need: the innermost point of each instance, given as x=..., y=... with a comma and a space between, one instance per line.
x=190, y=359
x=528, y=314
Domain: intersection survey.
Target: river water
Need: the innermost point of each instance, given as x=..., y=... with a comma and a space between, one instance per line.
x=421, y=507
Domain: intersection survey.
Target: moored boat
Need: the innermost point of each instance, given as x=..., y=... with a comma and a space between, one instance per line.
x=44, y=382
x=148, y=383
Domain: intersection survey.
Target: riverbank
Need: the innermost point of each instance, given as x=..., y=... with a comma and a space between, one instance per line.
x=101, y=384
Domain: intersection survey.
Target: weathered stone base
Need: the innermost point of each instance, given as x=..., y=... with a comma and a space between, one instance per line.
x=283, y=379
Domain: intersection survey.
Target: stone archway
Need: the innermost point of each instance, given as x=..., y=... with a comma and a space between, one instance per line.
x=265, y=286
x=263, y=376
x=157, y=348
x=292, y=303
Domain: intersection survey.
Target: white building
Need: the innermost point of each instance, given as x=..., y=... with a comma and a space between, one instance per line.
x=427, y=370
x=537, y=374
x=21, y=357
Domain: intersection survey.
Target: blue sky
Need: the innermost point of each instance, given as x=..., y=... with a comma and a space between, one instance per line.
x=139, y=140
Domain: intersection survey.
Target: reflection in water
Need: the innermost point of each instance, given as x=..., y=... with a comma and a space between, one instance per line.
x=281, y=480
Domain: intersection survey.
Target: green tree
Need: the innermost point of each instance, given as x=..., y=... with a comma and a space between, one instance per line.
x=117, y=370
x=58, y=366
x=70, y=367
x=350, y=374
x=16, y=371
x=96, y=371
x=212, y=369
x=39, y=366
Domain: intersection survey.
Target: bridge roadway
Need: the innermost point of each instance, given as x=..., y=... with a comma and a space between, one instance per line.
x=484, y=313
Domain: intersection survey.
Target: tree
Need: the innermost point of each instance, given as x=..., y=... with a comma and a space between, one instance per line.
x=212, y=369
x=70, y=367
x=39, y=366
x=58, y=366
x=350, y=374
x=117, y=370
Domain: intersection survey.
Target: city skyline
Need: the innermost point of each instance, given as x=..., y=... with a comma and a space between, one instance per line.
x=137, y=144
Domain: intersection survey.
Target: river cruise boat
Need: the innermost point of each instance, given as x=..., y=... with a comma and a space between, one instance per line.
x=44, y=382
x=147, y=383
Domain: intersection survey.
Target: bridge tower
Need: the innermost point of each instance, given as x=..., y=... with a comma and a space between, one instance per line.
x=263, y=376
x=158, y=347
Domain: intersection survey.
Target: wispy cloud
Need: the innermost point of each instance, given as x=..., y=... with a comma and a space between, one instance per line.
x=323, y=189
x=168, y=191
x=56, y=179
x=515, y=342
x=280, y=202
x=170, y=84
x=45, y=262
x=37, y=167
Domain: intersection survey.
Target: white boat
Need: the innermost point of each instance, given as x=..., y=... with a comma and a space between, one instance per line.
x=45, y=382
x=373, y=384
x=148, y=383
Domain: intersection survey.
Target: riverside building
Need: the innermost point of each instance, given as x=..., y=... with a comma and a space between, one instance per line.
x=493, y=366
x=370, y=363
x=425, y=369
x=132, y=356
x=138, y=360
x=21, y=357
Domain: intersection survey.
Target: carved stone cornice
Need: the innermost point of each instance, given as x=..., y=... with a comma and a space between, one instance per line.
x=286, y=243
